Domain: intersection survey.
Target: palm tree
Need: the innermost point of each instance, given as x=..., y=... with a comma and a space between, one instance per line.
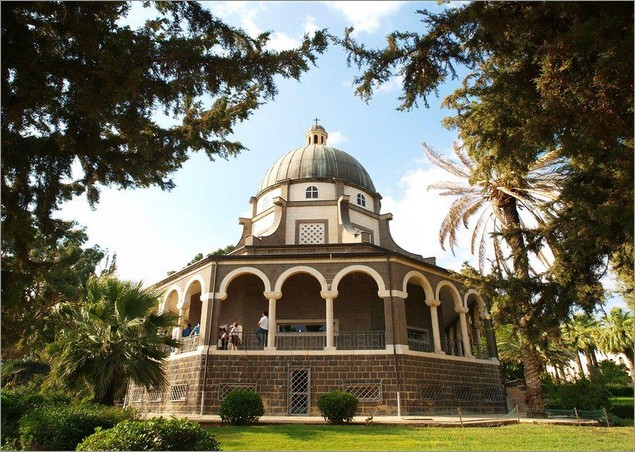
x=616, y=335
x=113, y=336
x=581, y=334
x=506, y=205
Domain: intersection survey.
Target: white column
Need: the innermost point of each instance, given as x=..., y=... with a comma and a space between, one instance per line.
x=461, y=311
x=179, y=332
x=434, y=318
x=271, y=333
x=328, y=296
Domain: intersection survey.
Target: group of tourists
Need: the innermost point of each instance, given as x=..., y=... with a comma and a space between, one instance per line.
x=231, y=339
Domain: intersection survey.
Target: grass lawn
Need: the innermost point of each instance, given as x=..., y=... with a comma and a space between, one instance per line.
x=388, y=437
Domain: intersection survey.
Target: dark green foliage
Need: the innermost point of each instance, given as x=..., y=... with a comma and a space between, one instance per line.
x=582, y=394
x=241, y=407
x=79, y=87
x=152, y=434
x=21, y=400
x=337, y=407
x=622, y=408
x=110, y=337
x=62, y=427
x=22, y=371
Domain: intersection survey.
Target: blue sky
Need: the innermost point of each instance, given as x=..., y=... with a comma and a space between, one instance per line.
x=153, y=232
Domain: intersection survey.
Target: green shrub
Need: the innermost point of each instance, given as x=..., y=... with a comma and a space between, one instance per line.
x=19, y=401
x=241, y=407
x=337, y=407
x=62, y=427
x=152, y=434
x=619, y=390
x=582, y=394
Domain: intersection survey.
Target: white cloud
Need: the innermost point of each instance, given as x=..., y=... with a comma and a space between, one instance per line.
x=365, y=16
x=418, y=215
x=310, y=26
x=281, y=41
x=392, y=85
x=336, y=138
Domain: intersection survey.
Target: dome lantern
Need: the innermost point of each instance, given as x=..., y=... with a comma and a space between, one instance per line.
x=316, y=134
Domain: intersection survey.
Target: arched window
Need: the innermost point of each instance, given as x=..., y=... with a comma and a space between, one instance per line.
x=361, y=200
x=315, y=139
x=311, y=192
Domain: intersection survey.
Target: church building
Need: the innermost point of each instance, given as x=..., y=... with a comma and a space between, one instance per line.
x=348, y=309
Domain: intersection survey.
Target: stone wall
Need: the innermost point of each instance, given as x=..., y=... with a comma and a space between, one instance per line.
x=426, y=384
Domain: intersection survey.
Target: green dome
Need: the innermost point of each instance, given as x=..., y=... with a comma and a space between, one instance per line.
x=316, y=161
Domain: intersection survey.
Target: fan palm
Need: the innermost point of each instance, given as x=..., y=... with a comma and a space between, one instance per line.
x=616, y=335
x=506, y=205
x=113, y=336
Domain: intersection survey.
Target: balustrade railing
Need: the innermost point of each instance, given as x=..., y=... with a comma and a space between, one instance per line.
x=452, y=347
x=300, y=341
x=420, y=345
x=360, y=340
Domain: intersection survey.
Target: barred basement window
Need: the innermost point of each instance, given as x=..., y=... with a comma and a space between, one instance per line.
x=493, y=394
x=155, y=395
x=225, y=389
x=135, y=394
x=465, y=393
x=178, y=393
x=430, y=392
x=365, y=392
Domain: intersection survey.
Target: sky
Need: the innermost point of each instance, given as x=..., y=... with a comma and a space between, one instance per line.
x=153, y=231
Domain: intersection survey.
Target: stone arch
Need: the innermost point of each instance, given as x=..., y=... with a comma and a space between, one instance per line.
x=222, y=291
x=185, y=302
x=456, y=296
x=363, y=269
x=300, y=269
x=481, y=303
x=171, y=300
x=421, y=279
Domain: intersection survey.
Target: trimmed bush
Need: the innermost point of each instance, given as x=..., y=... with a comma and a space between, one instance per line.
x=62, y=427
x=337, y=407
x=241, y=407
x=152, y=434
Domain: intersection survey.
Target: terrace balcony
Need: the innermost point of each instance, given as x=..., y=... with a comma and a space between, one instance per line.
x=344, y=340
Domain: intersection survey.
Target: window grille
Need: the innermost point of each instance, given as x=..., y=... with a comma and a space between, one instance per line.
x=465, y=393
x=155, y=395
x=299, y=399
x=493, y=394
x=136, y=394
x=311, y=234
x=178, y=393
x=225, y=389
x=365, y=392
x=431, y=392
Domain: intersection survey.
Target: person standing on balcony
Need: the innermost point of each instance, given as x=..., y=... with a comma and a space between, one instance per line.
x=263, y=329
x=235, y=336
x=187, y=330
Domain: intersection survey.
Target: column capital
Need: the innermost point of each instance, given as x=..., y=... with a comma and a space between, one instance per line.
x=461, y=310
x=433, y=303
x=329, y=294
x=272, y=295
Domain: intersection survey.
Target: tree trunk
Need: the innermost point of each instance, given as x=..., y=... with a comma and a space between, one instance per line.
x=629, y=356
x=579, y=361
x=534, y=398
x=108, y=398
